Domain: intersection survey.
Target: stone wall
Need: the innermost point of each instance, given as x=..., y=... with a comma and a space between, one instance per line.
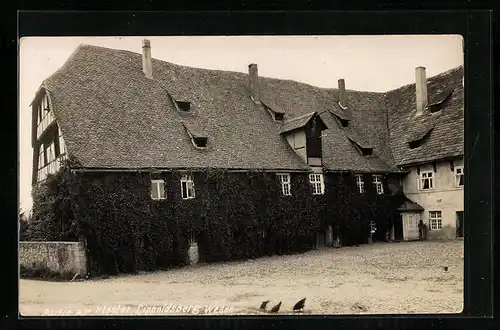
x=61, y=257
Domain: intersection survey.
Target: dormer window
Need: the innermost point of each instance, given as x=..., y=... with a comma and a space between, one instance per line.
x=274, y=111
x=419, y=139
x=341, y=116
x=278, y=116
x=199, y=139
x=440, y=104
x=183, y=106
x=342, y=122
x=362, y=148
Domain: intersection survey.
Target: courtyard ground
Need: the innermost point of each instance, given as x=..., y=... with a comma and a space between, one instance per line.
x=370, y=279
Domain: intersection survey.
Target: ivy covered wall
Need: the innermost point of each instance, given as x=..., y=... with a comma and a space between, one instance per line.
x=234, y=216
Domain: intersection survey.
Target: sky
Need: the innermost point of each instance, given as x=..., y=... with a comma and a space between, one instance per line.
x=367, y=63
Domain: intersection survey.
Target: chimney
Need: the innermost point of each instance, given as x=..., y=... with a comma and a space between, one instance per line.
x=342, y=100
x=421, y=89
x=253, y=74
x=146, y=58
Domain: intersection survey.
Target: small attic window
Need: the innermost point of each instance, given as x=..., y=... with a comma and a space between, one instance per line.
x=278, y=116
x=201, y=142
x=440, y=104
x=366, y=151
x=183, y=106
x=363, y=150
x=417, y=142
x=342, y=122
x=198, y=138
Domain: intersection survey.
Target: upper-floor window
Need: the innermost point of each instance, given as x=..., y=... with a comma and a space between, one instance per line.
x=317, y=184
x=360, y=183
x=285, y=183
x=187, y=187
x=51, y=152
x=435, y=220
x=62, y=145
x=158, y=189
x=377, y=181
x=426, y=180
x=43, y=108
x=41, y=158
x=459, y=176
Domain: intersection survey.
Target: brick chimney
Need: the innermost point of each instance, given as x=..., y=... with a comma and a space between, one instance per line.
x=421, y=90
x=342, y=100
x=147, y=67
x=253, y=74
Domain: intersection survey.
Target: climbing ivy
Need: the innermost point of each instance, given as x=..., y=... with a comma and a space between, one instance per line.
x=234, y=216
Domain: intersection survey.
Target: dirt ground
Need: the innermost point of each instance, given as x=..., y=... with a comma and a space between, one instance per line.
x=396, y=278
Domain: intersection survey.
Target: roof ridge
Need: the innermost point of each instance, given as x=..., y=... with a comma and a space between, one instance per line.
x=436, y=76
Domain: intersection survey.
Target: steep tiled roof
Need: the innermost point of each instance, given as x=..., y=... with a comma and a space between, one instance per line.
x=445, y=128
x=112, y=116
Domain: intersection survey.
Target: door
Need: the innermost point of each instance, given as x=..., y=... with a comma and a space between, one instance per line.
x=460, y=224
x=398, y=228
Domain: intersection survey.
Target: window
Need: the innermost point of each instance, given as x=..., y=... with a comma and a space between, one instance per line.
x=435, y=220
x=184, y=106
x=285, y=184
x=187, y=187
x=426, y=180
x=360, y=183
x=459, y=176
x=316, y=180
x=62, y=145
x=377, y=181
x=158, y=189
x=51, y=154
x=41, y=160
x=200, y=142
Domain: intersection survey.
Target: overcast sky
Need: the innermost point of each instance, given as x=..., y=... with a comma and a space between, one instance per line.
x=369, y=63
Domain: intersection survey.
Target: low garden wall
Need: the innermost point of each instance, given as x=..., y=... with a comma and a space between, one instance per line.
x=63, y=258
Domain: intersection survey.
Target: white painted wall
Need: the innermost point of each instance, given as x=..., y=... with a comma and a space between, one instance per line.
x=444, y=197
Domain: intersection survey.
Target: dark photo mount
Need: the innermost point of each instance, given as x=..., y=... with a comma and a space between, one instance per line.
x=474, y=26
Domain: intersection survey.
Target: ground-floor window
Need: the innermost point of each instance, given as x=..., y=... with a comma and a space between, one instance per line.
x=435, y=220
x=317, y=184
x=158, y=189
x=187, y=187
x=285, y=183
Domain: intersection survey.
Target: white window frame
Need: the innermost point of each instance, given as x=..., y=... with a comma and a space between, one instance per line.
x=51, y=153
x=360, y=183
x=62, y=144
x=435, y=220
x=156, y=186
x=424, y=175
x=317, y=183
x=377, y=181
x=286, y=185
x=187, y=180
x=459, y=176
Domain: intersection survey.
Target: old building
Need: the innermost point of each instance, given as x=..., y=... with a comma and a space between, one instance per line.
x=426, y=125
x=120, y=111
